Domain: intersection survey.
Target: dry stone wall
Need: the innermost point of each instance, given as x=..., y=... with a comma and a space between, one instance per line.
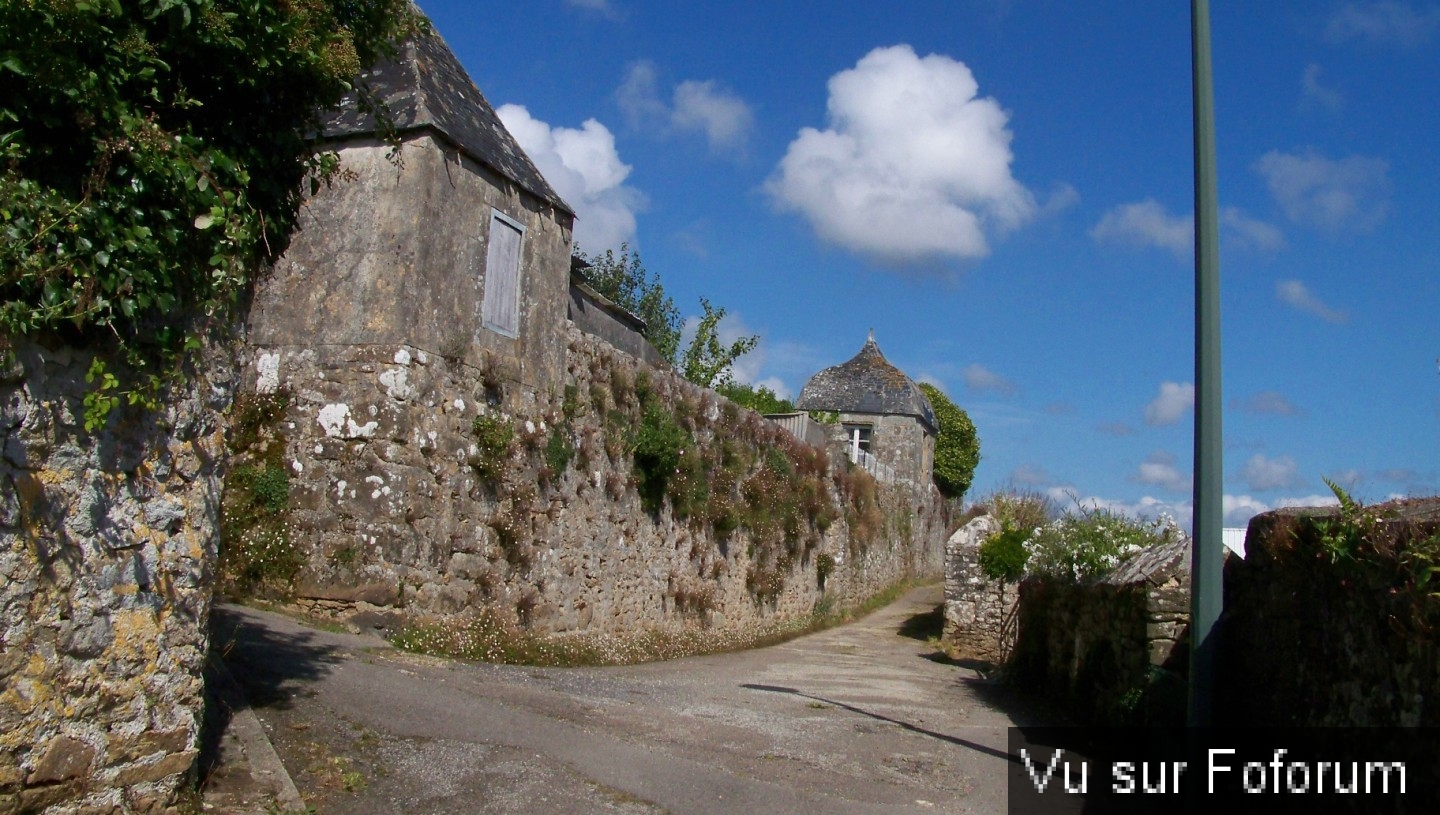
x=107, y=547
x=425, y=485
x=1113, y=649
x=1314, y=640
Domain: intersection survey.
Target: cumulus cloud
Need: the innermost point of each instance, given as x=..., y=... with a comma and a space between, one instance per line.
x=1117, y=429
x=1170, y=405
x=1350, y=194
x=704, y=107
x=1267, y=403
x=1296, y=294
x=1159, y=470
x=722, y=116
x=1146, y=223
x=1387, y=22
x=980, y=378
x=1262, y=474
x=584, y=167
x=914, y=166
x=1313, y=92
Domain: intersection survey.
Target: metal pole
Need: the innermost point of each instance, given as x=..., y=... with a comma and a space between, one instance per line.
x=1206, y=574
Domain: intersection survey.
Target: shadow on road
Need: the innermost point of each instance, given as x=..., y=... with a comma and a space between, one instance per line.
x=979, y=748
x=265, y=669
x=925, y=626
x=270, y=666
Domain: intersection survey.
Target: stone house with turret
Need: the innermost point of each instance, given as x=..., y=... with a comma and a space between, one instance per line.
x=884, y=422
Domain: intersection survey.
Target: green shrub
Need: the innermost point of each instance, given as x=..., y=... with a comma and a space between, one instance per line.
x=659, y=444
x=257, y=551
x=957, y=447
x=559, y=450
x=1003, y=555
x=493, y=436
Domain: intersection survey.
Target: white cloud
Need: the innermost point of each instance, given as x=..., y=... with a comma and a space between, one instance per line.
x=1117, y=429
x=980, y=378
x=1146, y=223
x=1296, y=294
x=1062, y=197
x=912, y=167
x=1068, y=498
x=1272, y=403
x=1387, y=22
x=639, y=96
x=584, y=167
x=1159, y=470
x=1313, y=91
x=1334, y=194
x=1249, y=233
x=1171, y=404
x=1262, y=474
x=703, y=107
x=722, y=116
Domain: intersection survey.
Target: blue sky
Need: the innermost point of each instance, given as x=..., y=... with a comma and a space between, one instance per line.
x=1002, y=190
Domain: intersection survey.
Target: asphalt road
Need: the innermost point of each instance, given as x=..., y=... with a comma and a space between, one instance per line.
x=863, y=718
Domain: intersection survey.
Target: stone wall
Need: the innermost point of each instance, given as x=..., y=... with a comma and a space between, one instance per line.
x=107, y=546
x=596, y=315
x=977, y=608
x=1312, y=640
x=398, y=505
x=1111, y=650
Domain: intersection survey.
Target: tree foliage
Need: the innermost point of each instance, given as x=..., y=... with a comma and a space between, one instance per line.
x=623, y=280
x=152, y=153
x=707, y=361
x=957, y=447
x=755, y=397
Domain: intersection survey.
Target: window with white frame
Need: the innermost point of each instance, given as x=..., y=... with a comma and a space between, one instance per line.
x=858, y=437
x=500, y=307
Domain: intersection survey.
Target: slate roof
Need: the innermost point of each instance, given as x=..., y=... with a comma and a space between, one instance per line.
x=868, y=383
x=425, y=86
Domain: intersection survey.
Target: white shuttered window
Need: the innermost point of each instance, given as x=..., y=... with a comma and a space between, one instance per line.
x=500, y=308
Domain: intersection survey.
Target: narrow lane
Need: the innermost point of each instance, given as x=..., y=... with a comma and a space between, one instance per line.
x=857, y=719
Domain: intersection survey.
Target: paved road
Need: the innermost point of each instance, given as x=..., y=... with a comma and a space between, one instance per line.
x=857, y=719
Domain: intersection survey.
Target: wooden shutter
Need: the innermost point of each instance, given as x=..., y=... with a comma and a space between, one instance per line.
x=500, y=308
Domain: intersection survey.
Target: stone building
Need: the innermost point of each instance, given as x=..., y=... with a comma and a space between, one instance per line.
x=885, y=422
x=456, y=246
